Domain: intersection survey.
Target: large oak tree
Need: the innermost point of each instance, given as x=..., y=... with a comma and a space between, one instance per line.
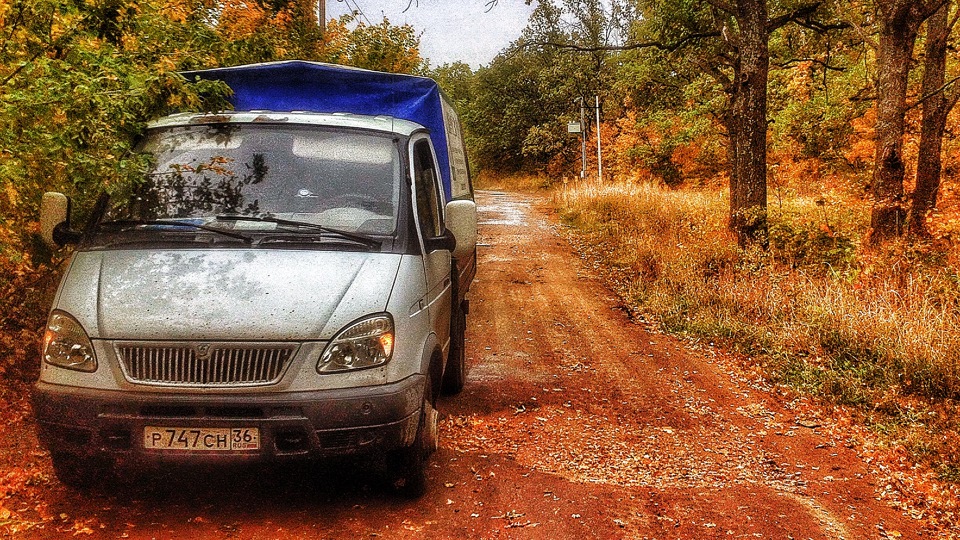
x=900, y=22
x=730, y=39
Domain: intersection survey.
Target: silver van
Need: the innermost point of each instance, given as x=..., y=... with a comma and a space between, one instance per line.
x=289, y=281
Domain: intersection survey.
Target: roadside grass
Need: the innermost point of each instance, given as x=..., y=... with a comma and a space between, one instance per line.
x=875, y=330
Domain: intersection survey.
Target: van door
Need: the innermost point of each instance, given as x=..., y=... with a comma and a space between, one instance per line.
x=428, y=197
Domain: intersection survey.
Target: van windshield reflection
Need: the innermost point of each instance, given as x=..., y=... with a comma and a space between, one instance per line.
x=342, y=180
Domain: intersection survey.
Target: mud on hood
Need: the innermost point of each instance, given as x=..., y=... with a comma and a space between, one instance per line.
x=244, y=295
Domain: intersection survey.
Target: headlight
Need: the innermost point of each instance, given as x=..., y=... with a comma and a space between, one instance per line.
x=66, y=345
x=363, y=344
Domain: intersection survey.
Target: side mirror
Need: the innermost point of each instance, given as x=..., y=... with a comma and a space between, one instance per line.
x=445, y=241
x=462, y=221
x=55, y=220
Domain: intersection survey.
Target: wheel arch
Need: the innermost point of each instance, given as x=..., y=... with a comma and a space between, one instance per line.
x=431, y=364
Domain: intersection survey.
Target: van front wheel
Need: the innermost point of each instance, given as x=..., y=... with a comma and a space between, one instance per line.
x=408, y=465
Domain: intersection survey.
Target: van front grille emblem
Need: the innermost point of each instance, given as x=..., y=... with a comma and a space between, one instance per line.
x=203, y=352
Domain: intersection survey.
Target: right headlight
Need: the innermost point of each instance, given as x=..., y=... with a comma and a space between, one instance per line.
x=66, y=344
x=363, y=344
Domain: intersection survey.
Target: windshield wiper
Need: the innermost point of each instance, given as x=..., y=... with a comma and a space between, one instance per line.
x=359, y=238
x=130, y=223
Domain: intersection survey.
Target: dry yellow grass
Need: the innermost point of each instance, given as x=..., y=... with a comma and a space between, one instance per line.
x=879, y=330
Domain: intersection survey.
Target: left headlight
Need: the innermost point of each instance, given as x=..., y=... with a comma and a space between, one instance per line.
x=363, y=344
x=66, y=344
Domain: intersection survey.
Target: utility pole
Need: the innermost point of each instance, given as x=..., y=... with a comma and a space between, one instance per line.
x=599, y=159
x=322, y=14
x=583, y=142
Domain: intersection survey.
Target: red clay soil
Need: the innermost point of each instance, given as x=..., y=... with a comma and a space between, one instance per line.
x=574, y=423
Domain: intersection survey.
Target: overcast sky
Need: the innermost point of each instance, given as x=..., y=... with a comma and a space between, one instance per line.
x=450, y=30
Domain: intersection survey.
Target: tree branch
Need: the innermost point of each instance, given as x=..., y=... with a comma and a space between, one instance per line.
x=722, y=78
x=793, y=61
x=492, y=4
x=935, y=92
x=797, y=15
x=863, y=94
x=821, y=27
x=864, y=36
x=934, y=6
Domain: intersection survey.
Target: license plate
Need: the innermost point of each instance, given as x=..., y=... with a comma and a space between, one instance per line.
x=201, y=439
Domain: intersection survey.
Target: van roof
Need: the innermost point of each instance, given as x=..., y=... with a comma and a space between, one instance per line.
x=387, y=124
x=315, y=87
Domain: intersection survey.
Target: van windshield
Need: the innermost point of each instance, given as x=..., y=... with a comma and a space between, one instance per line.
x=343, y=179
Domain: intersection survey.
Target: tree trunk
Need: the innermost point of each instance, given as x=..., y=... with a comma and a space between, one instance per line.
x=747, y=123
x=900, y=22
x=936, y=108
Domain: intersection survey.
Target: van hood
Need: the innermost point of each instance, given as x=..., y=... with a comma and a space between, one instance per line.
x=245, y=295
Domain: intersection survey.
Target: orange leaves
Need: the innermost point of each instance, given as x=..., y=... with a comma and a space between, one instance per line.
x=18, y=487
x=240, y=19
x=863, y=145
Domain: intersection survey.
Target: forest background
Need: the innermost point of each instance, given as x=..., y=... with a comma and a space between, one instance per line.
x=779, y=176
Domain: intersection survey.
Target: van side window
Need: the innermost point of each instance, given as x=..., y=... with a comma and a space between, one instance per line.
x=425, y=184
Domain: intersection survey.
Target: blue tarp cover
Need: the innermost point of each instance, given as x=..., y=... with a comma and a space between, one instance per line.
x=326, y=88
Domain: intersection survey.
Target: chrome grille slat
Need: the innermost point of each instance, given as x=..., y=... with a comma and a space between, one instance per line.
x=219, y=365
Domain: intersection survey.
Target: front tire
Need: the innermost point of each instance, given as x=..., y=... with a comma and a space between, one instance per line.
x=408, y=465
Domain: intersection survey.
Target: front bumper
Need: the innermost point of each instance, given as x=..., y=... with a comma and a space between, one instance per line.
x=324, y=423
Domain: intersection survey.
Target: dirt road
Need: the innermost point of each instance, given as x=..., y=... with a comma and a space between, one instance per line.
x=575, y=423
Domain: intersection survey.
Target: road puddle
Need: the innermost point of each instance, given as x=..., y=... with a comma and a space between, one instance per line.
x=501, y=209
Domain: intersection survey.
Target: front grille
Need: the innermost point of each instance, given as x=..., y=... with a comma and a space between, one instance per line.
x=204, y=364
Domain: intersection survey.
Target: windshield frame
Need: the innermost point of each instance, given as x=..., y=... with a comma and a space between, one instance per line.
x=399, y=241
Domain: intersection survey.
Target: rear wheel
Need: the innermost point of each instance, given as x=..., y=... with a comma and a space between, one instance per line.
x=408, y=466
x=455, y=376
